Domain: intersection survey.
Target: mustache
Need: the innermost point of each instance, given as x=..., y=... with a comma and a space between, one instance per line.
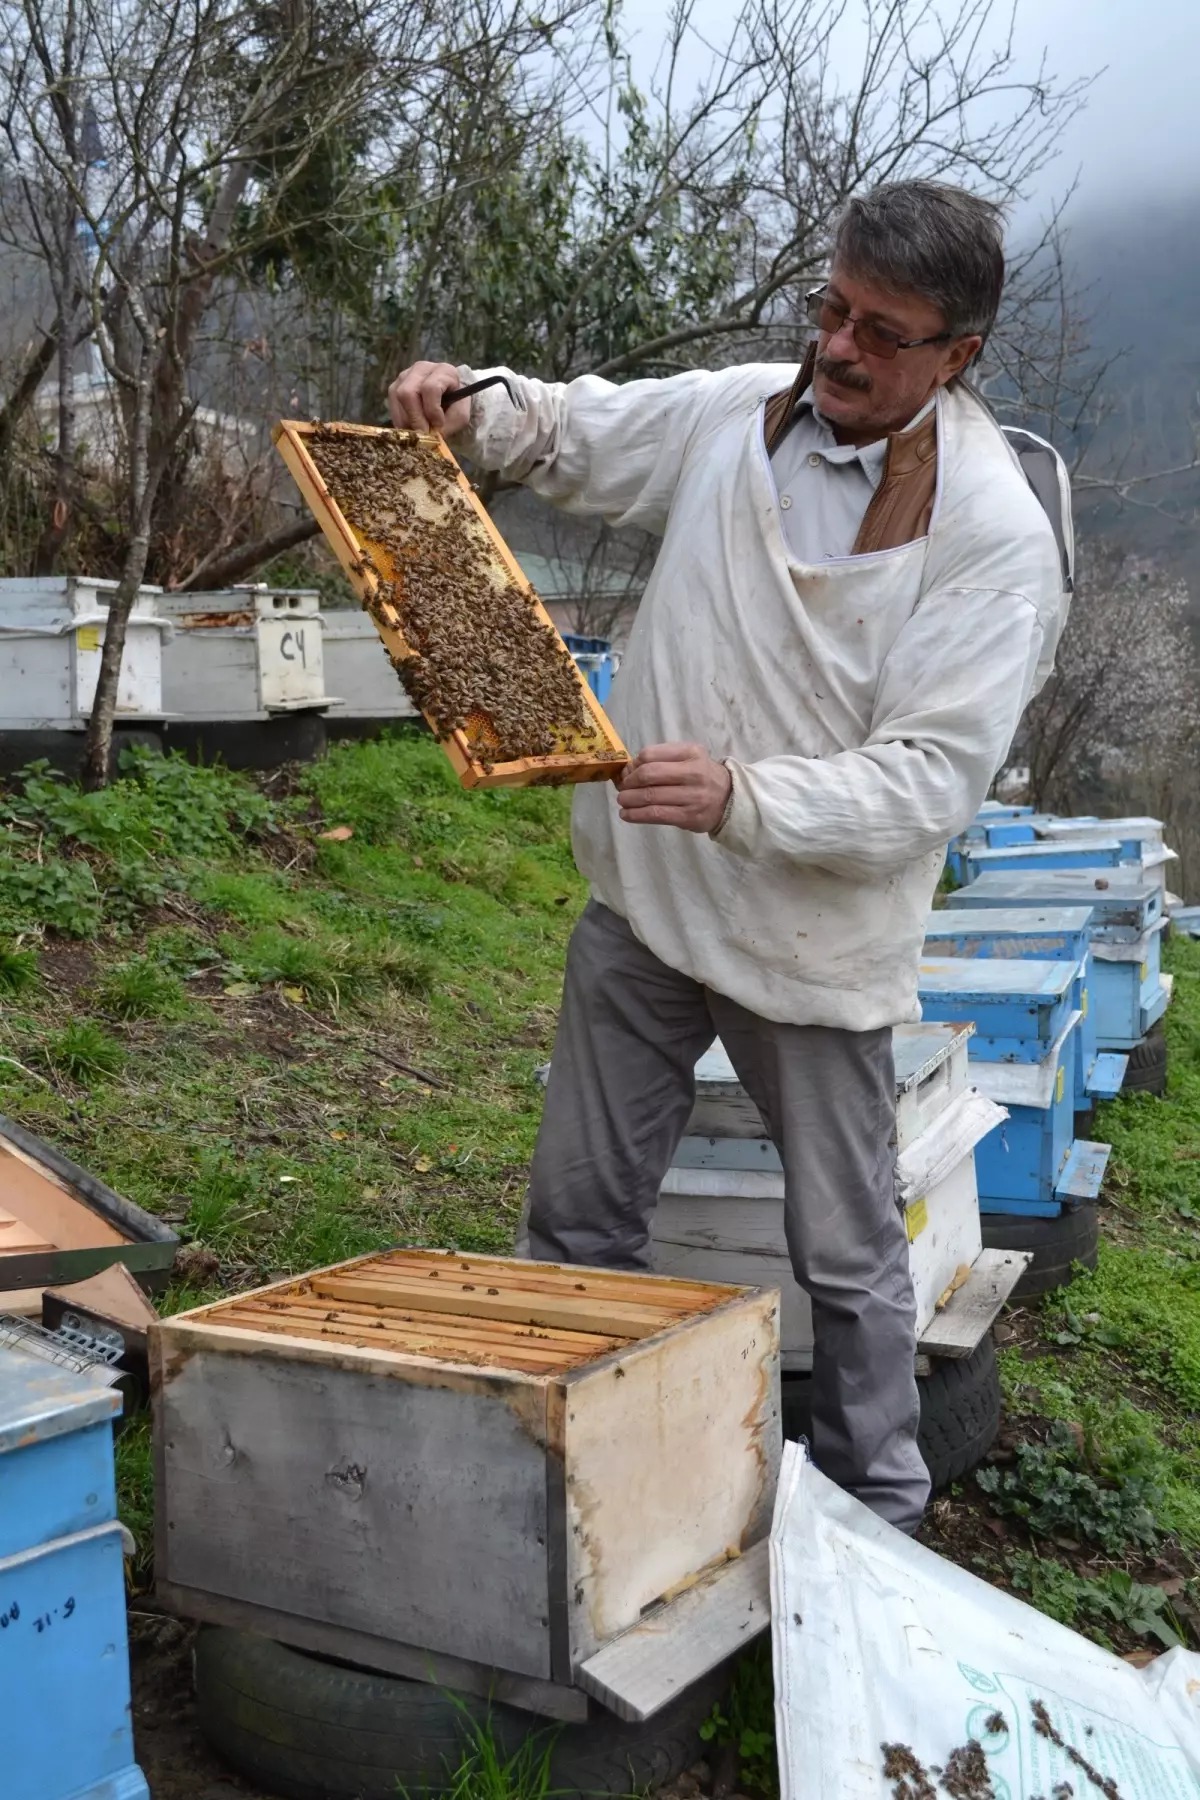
x=844, y=374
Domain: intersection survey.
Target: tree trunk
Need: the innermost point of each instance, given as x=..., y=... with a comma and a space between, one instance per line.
x=144, y=477
x=97, y=756
x=58, y=526
x=234, y=565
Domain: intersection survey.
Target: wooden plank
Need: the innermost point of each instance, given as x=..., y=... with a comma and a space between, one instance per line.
x=113, y=1296
x=676, y=1298
x=415, y=1513
x=16, y=1235
x=348, y=545
x=531, y=1357
x=549, y=1699
x=638, y=1673
x=672, y=1454
x=399, y=1323
x=964, y=1322
x=575, y=1312
x=44, y=1204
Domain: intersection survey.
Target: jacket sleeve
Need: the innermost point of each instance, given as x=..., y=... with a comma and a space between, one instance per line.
x=591, y=446
x=950, y=695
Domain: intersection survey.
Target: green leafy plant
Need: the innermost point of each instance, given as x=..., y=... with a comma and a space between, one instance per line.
x=1115, y=1597
x=18, y=969
x=747, y=1721
x=142, y=988
x=84, y=1050
x=1055, y=1494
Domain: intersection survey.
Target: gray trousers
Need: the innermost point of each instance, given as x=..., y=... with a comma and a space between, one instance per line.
x=621, y=1089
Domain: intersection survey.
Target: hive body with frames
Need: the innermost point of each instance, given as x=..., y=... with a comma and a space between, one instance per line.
x=465, y=631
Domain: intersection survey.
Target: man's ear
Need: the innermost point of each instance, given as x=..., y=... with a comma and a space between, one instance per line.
x=961, y=352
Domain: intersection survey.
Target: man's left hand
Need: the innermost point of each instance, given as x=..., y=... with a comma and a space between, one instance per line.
x=675, y=784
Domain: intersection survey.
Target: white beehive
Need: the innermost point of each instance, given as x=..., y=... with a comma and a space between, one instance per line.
x=245, y=653
x=357, y=667
x=51, y=634
x=720, y=1210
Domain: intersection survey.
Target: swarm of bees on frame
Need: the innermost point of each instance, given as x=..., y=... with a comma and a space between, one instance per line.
x=482, y=660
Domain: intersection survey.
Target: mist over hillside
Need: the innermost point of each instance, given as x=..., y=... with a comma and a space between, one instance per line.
x=1140, y=271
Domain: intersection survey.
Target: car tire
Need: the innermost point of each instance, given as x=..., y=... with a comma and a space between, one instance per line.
x=960, y=1411
x=1057, y=1245
x=1147, y=1069
x=306, y=1728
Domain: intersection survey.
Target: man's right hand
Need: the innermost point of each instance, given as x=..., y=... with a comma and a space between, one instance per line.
x=415, y=399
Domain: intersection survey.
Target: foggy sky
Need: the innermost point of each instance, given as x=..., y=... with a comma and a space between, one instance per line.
x=1138, y=138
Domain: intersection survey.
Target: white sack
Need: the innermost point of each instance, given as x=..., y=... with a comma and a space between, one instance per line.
x=877, y=1640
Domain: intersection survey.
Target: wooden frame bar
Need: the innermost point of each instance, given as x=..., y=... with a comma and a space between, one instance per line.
x=530, y=771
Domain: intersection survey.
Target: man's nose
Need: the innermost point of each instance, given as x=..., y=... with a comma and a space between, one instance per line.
x=840, y=344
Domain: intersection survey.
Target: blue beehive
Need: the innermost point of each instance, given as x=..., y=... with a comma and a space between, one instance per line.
x=1022, y=1057
x=1033, y=1164
x=1126, y=988
x=1019, y=1009
x=64, y=1662
x=595, y=659
x=1094, y=853
x=1124, y=904
x=1049, y=934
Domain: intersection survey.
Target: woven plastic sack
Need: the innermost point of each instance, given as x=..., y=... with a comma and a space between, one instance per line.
x=887, y=1656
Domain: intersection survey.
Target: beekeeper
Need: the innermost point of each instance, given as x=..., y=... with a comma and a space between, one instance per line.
x=857, y=593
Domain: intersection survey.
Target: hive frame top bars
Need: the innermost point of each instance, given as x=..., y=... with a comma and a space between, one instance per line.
x=559, y=769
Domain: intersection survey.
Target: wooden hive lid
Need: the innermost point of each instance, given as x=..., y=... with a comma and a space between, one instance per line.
x=478, y=1311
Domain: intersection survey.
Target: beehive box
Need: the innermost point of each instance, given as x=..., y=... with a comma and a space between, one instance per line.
x=470, y=639
x=720, y=1214
x=442, y=1464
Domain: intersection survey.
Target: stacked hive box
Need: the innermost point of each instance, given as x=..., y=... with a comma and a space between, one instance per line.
x=64, y=1664
x=1127, y=988
x=720, y=1211
x=1023, y=1057
x=1050, y=934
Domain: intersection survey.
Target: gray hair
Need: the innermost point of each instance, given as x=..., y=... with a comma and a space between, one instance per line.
x=924, y=237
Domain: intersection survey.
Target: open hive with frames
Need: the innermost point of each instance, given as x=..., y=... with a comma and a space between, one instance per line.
x=466, y=633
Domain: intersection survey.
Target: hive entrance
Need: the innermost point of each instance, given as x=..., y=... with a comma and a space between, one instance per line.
x=531, y=1317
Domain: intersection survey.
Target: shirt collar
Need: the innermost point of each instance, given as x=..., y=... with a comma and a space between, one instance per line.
x=871, y=457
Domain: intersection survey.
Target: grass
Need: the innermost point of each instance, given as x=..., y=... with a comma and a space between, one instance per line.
x=296, y=1048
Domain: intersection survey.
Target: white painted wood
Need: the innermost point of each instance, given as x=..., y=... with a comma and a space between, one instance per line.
x=357, y=669
x=674, y=1645
x=671, y=1452
x=727, y=1225
x=961, y=1325
x=1025, y=1084
x=951, y=1137
x=51, y=633
x=1167, y=983
x=931, y=1069
x=1140, y=950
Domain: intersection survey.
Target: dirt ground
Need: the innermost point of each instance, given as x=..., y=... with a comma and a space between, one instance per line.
x=173, y=1757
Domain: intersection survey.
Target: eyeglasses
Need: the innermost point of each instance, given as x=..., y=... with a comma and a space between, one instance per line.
x=877, y=340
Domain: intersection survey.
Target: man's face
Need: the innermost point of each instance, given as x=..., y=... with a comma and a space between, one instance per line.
x=865, y=396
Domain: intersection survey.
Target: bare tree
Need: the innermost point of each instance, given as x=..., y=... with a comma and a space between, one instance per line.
x=1124, y=697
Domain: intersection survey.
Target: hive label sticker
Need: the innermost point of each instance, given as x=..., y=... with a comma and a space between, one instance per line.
x=88, y=637
x=916, y=1218
x=1059, y=1084
x=1083, y=1002
x=1145, y=970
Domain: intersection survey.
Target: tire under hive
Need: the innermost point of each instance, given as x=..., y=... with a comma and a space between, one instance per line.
x=464, y=629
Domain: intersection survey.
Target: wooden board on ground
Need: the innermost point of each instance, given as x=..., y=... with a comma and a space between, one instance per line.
x=59, y=1224
x=511, y=1494
x=595, y=754
x=674, y=1645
